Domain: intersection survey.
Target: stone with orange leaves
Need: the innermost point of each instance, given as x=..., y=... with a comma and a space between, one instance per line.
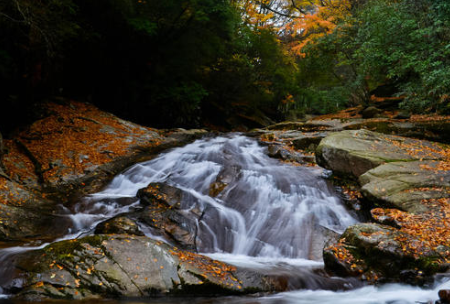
x=126, y=265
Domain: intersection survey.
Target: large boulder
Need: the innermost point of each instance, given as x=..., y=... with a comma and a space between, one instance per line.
x=404, y=185
x=308, y=141
x=356, y=152
x=375, y=251
x=105, y=266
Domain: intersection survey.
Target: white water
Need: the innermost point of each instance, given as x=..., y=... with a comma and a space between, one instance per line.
x=268, y=209
x=272, y=217
x=387, y=294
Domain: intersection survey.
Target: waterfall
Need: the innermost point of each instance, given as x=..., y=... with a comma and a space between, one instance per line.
x=256, y=212
x=266, y=209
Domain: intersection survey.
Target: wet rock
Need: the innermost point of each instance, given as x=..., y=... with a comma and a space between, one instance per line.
x=404, y=185
x=444, y=296
x=161, y=193
x=281, y=152
x=24, y=213
x=356, y=152
x=118, y=225
x=166, y=213
x=130, y=266
x=227, y=175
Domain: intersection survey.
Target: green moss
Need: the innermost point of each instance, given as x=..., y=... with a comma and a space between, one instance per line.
x=64, y=248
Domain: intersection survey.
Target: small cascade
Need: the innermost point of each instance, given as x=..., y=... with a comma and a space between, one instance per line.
x=265, y=208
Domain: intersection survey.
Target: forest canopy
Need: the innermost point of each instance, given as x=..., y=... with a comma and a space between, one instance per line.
x=225, y=63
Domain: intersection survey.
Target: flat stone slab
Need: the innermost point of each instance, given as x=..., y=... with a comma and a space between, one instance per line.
x=404, y=185
x=356, y=152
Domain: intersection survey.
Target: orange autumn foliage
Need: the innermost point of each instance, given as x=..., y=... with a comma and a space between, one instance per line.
x=321, y=22
x=427, y=231
x=74, y=139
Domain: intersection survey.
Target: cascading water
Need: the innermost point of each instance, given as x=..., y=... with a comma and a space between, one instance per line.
x=266, y=209
x=255, y=212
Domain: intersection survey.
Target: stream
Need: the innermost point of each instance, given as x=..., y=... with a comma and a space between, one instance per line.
x=268, y=216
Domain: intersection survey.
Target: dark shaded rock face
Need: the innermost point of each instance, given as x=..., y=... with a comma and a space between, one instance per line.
x=1, y=148
x=403, y=115
x=444, y=296
x=119, y=225
x=164, y=212
x=309, y=141
x=370, y=112
x=105, y=266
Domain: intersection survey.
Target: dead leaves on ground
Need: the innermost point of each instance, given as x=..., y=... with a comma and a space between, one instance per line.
x=74, y=139
x=422, y=232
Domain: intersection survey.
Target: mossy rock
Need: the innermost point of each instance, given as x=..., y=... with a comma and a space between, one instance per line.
x=356, y=152
x=130, y=266
x=404, y=185
x=378, y=249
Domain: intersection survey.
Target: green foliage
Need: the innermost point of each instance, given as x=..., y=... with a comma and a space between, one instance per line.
x=405, y=44
x=144, y=25
x=255, y=75
x=178, y=63
x=327, y=75
x=401, y=43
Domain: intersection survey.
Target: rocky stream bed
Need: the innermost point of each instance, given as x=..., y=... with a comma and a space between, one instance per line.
x=77, y=222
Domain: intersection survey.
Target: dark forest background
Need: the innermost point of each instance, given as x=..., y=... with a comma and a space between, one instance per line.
x=221, y=64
